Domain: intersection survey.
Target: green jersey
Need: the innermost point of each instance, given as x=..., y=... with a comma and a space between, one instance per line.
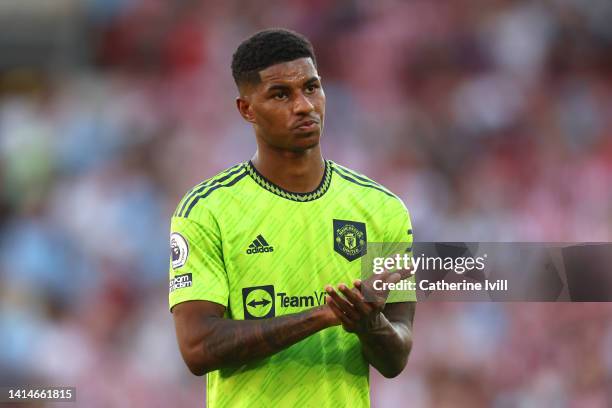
x=241, y=241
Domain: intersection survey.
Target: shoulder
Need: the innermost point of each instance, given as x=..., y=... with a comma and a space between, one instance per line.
x=361, y=182
x=214, y=186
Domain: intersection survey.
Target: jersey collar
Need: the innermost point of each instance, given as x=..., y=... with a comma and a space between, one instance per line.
x=279, y=191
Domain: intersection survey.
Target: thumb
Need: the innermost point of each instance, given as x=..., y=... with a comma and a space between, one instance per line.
x=395, y=277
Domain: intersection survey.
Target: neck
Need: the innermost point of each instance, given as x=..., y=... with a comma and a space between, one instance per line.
x=298, y=172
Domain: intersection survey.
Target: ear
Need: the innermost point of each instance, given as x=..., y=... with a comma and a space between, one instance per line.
x=245, y=109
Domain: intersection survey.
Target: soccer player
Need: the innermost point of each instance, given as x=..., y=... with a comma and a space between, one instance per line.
x=261, y=254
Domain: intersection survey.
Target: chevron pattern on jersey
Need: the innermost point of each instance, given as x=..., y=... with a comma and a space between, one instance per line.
x=302, y=197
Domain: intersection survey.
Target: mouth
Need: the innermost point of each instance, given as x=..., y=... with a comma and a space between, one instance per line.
x=307, y=125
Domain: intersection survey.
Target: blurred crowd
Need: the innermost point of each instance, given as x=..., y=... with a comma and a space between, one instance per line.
x=491, y=119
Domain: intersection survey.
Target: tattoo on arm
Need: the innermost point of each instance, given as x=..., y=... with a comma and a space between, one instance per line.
x=212, y=342
x=233, y=341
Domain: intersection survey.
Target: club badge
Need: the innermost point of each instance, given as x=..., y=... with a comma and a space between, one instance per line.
x=350, y=239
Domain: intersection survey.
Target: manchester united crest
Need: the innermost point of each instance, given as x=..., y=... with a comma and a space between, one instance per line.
x=350, y=239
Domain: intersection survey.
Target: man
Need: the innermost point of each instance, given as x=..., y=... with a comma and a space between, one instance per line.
x=257, y=248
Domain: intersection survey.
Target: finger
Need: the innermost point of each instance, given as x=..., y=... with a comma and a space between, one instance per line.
x=338, y=312
x=399, y=274
x=343, y=304
x=405, y=273
x=366, y=288
x=394, y=277
x=351, y=294
x=347, y=306
x=376, y=298
x=340, y=301
x=357, y=283
x=356, y=299
x=388, y=278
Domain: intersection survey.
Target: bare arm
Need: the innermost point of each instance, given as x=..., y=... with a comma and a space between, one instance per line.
x=389, y=341
x=208, y=341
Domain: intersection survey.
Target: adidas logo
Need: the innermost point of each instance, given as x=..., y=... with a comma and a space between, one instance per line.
x=258, y=245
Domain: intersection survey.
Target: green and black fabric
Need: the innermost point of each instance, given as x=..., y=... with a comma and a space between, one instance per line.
x=239, y=240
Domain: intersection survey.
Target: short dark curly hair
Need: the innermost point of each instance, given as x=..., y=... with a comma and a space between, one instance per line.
x=266, y=48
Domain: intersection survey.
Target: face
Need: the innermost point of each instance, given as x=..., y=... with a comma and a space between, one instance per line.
x=287, y=107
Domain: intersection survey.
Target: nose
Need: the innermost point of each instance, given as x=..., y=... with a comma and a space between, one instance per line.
x=302, y=105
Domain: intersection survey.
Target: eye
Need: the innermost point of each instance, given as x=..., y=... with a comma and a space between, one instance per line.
x=312, y=88
x=281, y=96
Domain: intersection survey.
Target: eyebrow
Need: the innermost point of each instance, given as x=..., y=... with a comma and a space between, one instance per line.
x=283, y=87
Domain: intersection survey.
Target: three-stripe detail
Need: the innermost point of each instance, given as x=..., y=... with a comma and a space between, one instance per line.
x=234, y=174
x=359, y=179
x=226, y=179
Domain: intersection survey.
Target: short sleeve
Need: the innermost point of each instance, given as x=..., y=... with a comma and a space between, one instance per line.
x=399, y=234
x=197, y=271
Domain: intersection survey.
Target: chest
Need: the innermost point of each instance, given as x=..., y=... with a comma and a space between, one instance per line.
x=279, y=259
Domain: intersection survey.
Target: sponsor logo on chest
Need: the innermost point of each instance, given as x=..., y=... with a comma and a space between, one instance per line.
x=260, y=302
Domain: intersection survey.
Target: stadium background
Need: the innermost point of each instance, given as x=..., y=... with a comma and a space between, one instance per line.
x=492, y=119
